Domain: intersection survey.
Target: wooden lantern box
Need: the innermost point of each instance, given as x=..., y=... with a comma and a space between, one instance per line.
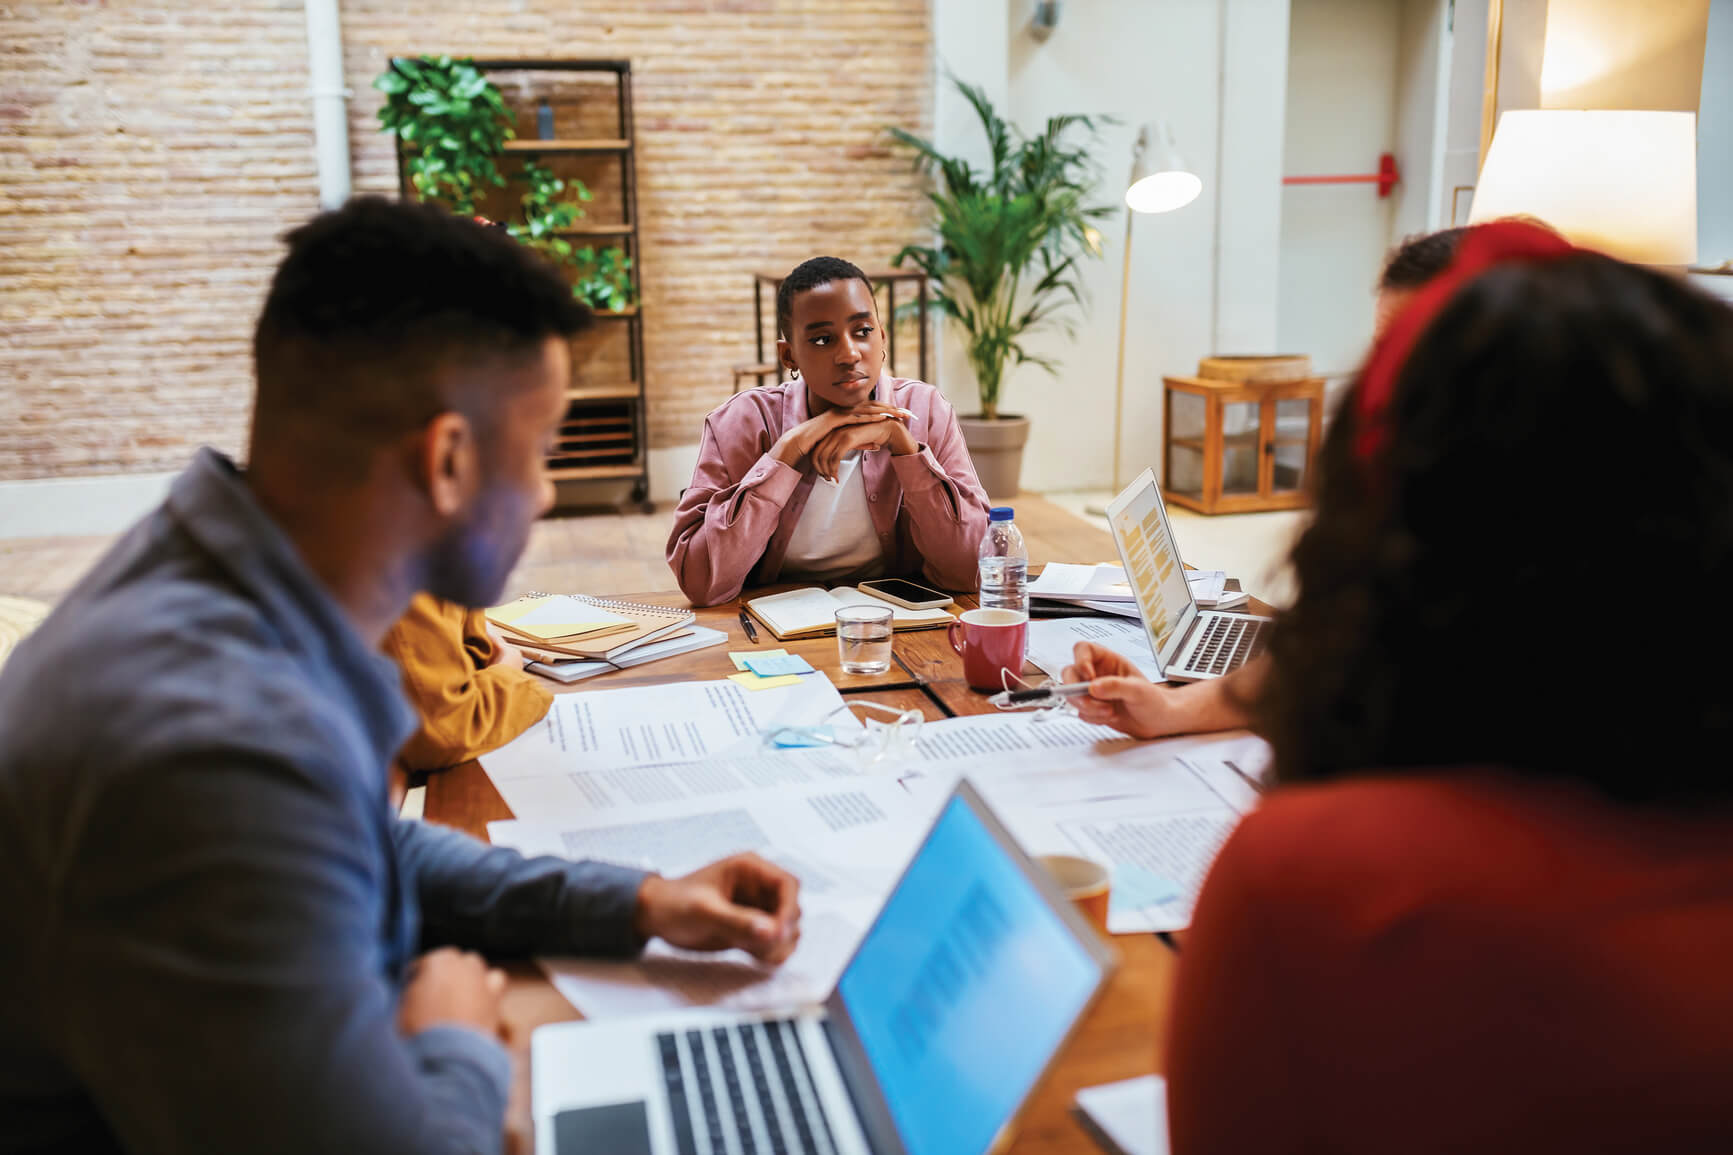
x=1242, y=434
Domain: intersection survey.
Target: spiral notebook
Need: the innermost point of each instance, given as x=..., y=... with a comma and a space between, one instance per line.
x=645, y=623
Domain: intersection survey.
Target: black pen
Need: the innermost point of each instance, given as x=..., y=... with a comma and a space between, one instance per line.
x=746, y=624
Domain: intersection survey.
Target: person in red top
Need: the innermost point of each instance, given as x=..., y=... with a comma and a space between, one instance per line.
x=1488, y=905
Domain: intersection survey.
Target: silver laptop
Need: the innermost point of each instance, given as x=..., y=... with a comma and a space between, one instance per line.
x=955, y=1003
x=1188, y=645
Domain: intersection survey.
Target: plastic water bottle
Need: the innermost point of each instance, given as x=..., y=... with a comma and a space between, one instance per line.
x=1004, y=564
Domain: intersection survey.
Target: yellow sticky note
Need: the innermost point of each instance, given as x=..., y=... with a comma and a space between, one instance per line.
x=753, y=682
x=739, y=657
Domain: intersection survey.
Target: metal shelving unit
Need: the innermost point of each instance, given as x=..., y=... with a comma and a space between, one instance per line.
x=604, y=436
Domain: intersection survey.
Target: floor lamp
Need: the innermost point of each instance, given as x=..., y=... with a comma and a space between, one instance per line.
x=1160, y=182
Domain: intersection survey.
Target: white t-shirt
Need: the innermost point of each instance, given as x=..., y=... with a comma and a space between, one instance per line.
x=835, y=537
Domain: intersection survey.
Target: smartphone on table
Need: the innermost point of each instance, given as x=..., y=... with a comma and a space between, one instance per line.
x=908, y=594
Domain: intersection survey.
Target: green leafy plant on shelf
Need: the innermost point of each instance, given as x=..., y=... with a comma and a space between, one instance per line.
x=604, y=278
x=547, y=211
x=453, y=123
x=1006, y=263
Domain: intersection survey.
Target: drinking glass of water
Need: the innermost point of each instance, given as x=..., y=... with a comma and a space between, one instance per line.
x=863, y=639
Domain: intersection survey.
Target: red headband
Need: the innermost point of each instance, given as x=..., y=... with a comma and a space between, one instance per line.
x=1482, y=247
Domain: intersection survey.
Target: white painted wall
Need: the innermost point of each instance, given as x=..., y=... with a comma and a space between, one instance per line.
x=79, y=506
x=1423, y=52
x=1341, y=114
x=969, y=42
x=1163, y=66
x=1248, y=185
x=1141, y=60
x=1715, y=143
x=1467, y=91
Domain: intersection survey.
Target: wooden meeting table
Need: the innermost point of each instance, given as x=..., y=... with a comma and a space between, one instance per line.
x=1121, y=1037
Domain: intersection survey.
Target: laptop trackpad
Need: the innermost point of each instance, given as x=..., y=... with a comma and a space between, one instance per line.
x=618, y=1129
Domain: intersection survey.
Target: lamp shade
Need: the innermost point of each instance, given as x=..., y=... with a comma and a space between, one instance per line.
x=1161, y=181
x=1621, y=181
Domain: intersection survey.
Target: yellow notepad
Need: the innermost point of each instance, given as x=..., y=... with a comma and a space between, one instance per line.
x=642, y=624
x=557, y=616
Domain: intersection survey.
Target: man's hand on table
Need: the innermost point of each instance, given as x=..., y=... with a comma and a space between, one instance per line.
x=740, y=901
x=450, y=987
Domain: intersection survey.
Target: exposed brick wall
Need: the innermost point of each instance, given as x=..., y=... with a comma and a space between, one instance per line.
x=152, y=153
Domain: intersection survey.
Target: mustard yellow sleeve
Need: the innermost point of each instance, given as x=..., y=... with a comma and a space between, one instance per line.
x=467, y=707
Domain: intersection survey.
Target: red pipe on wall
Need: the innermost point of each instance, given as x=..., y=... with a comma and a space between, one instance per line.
x=1385, y=178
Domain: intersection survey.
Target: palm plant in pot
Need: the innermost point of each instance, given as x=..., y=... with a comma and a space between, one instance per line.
x=1006, y=262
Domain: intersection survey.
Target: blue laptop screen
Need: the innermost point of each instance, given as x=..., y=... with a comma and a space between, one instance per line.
x=963, y=989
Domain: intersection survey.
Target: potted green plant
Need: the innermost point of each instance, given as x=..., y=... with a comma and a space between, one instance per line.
x=1006, y=261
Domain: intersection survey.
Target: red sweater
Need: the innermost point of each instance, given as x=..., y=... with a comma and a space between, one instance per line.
x=1459, y=962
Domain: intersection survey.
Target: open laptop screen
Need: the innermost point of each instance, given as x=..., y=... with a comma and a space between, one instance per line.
x=963, y=989
x=1152, y=566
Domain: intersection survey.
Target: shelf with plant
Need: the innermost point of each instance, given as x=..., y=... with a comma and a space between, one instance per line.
x=455, y=125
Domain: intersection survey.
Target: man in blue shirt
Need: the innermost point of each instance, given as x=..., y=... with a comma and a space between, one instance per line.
x=211, y=923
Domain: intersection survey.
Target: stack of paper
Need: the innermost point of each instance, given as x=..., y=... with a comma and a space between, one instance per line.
x=1098, y=588
x=1102, y=589
x=571, y=670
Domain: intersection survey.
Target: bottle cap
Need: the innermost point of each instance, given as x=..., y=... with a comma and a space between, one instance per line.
x=999, y=513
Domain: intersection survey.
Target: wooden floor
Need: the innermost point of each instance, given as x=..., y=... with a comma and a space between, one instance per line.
x=595, y=553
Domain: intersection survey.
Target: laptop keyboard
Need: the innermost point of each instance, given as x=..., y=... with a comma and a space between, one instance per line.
x=1227, y=644
x=744, y=1089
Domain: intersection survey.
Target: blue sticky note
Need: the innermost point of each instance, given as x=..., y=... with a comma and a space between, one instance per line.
x=1135, y=888
x=776, y=665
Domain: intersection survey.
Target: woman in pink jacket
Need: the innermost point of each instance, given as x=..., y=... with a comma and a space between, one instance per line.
x=842, y=474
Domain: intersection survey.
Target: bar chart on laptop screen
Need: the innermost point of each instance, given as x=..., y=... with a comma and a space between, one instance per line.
x=1152, y=565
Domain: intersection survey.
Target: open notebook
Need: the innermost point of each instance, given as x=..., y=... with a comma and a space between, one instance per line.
x=810, y=612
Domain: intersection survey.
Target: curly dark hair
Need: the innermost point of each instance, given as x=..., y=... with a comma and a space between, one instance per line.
x=810, y=274
x=1473, y=593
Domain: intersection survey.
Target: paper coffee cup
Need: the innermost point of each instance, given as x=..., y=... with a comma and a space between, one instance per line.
x=1087, y=884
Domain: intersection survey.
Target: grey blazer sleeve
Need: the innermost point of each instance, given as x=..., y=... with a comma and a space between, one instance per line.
x=222, y=980
x=490, y=899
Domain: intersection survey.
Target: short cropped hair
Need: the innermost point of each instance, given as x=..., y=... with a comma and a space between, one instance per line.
x=1419, y=258
x=810, y=274
x=380, y=309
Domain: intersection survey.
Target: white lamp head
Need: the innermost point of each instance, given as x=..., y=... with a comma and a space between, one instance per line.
x=1620, y=181
x=1161, y=181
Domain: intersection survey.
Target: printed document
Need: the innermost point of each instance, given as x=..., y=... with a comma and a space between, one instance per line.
x=1053, y=641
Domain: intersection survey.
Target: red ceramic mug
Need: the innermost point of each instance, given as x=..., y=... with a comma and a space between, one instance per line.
x=991, y=642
